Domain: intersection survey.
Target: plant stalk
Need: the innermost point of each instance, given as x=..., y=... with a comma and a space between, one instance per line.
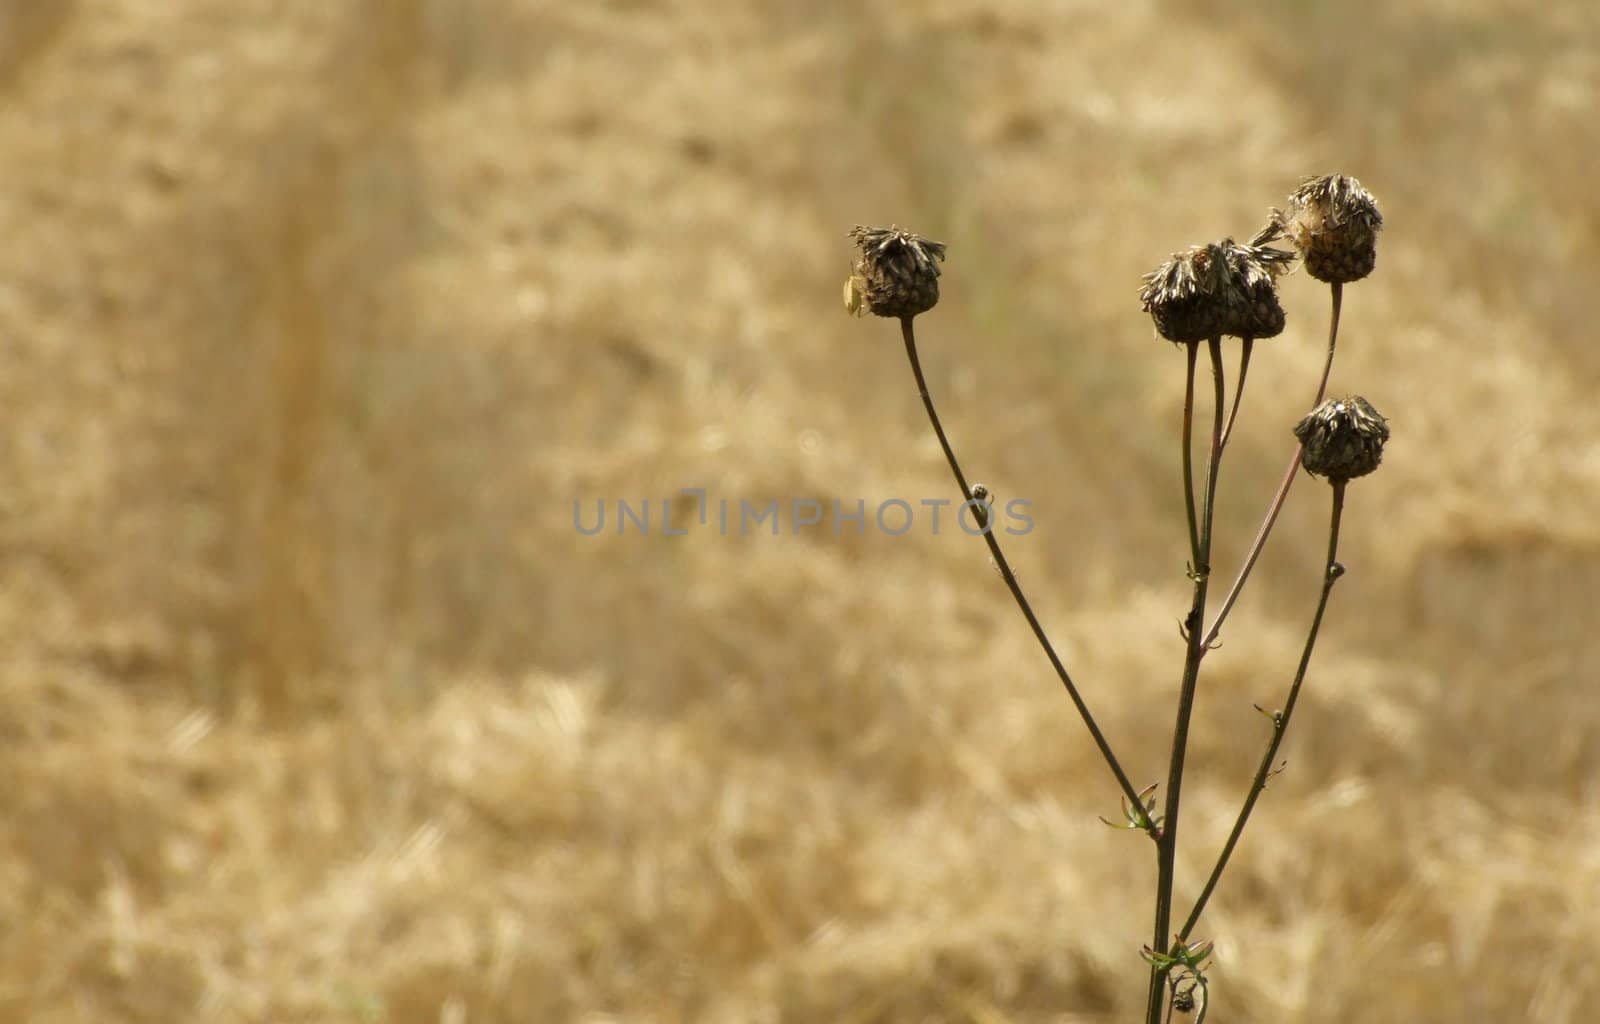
x=1280, y=721
x=1238, y=388
x=1283, y=487
x=1006, y=573
x=1167, y=842
x=1188, y=462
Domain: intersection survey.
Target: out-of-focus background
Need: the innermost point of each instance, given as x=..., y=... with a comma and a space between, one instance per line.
x=317, y=318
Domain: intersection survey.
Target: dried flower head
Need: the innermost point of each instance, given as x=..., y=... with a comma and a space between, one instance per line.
x=897, y=274
x=1342, y=438
x=1334, y=222
x=1216, y=289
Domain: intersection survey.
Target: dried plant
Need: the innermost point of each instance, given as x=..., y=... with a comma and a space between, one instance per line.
x=1223, y=289
x=1342, y=438
x=897, y=274
x=1334, y=222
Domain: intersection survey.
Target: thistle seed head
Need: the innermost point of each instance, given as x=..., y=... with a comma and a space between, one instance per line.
x=897, y=274
x=1342, y=439
x=1216, y=289
x=1334, y=222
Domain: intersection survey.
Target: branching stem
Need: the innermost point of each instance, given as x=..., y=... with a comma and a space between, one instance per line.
x=1238, y=388
x=1283, y=487
x=1167, y=843
x=1128, y=790
x=1280, y=720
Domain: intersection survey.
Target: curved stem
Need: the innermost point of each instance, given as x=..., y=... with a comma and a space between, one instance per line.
x=1167, y=843
x=1280, y=721
x=1283, y=487
x=1238, y=393
x=1128, y=790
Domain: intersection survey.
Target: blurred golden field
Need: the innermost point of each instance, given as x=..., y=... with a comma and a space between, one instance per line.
x=317, y=318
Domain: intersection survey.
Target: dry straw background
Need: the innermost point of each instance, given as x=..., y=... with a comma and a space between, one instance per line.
x=316, y=317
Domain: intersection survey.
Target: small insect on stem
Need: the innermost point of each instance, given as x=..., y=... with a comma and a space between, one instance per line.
x=855, y=295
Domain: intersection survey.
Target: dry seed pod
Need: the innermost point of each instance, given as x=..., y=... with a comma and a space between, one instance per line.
x=1342, y=438
x=1334, y=222
x=1217, y=289
x=1256, y=269
x=897, y=274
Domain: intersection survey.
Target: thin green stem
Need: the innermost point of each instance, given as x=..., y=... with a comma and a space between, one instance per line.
x=1167, y=843
x=1280, y=721
x=1289, y=474
x=1128, y=790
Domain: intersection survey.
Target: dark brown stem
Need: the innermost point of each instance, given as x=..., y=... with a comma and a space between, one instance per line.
x=1337, y=291
x=1167, y=843
x=1280, y=721
x=1128, y=790
x=1188, y=461
x=1238, y=392
x=1289, y=474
